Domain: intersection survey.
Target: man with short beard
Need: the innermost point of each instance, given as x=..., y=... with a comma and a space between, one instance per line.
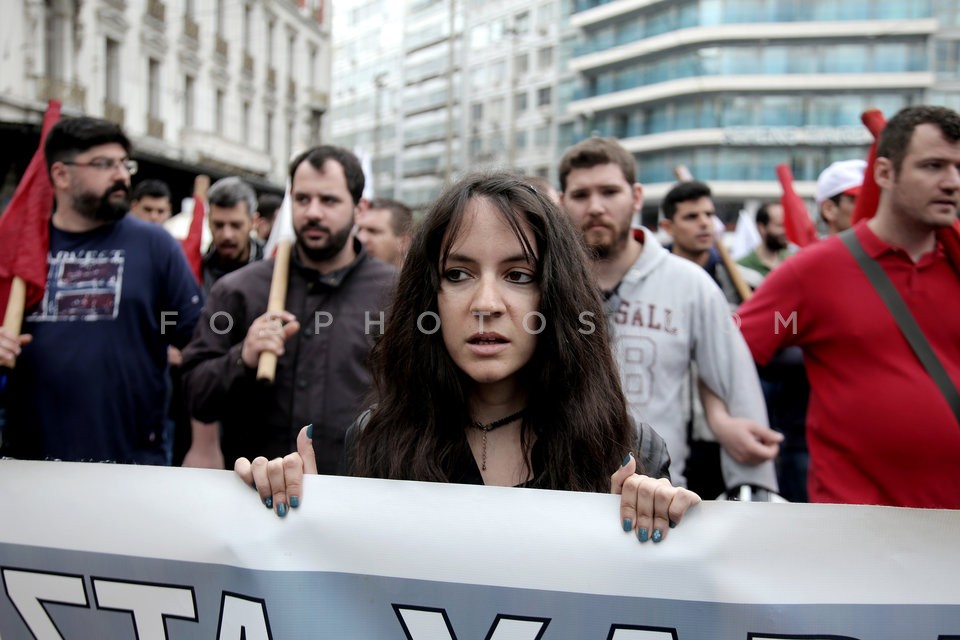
x=232, y=203
x=89, y=382
x=335, y=296
x=665, y=312
x=772, y=249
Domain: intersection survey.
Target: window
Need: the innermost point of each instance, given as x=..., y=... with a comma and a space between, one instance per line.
x=546, y=15
x=247, y=12
x=520, y=102
x=521, y=64
x=268, y=133
x=291, y=47
x=289, y=137
x=316, y=123
x=496, y=109
x=480, y=37
x=112, y=69
x=219, y=17
x=521, y=22
x=545, y=58
x=520, y=140
x=544, y=96
x=245, y=123
x=55, y=41
x=476, y=112
x=153, y=88
x=218, y=112
x=271, y=24
x=312, y=66
x=541, y=137
x=189, y=100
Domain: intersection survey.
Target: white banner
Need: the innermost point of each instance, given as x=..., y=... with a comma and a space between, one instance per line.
x=111, y=551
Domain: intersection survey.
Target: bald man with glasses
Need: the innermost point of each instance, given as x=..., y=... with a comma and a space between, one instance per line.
x=89, y=382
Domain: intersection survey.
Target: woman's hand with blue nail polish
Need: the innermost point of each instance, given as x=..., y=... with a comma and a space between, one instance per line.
x=651, y=505
x=280, y=481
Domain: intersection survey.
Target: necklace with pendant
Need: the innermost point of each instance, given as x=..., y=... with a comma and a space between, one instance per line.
x=490, y=426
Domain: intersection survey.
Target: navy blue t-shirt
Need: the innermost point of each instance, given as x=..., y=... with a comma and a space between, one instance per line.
x=91, y=385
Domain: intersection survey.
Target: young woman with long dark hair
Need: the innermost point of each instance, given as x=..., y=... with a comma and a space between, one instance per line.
x=496, y=368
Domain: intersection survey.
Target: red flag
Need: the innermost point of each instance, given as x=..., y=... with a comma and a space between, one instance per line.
x=191, y=244
x=869, y=197
x=800, y=228
x=25, y=225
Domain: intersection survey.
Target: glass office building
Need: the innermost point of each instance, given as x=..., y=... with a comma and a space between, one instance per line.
x=731, y=88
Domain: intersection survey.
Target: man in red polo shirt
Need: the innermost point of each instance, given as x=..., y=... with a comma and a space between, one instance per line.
x=878, y=427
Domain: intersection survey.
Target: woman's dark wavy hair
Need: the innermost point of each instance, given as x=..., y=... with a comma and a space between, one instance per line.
x=575, y=406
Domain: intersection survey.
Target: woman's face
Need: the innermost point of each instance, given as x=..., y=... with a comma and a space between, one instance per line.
x=489, y=297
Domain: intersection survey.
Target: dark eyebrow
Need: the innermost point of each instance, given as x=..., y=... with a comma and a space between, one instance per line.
x=459, y=257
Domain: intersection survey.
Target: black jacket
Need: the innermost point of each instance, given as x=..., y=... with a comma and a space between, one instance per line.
x=322, y=377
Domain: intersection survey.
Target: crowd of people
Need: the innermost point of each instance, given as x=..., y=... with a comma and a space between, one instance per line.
x=517, y=335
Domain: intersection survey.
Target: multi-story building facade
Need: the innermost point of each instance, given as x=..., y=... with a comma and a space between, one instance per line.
x=397, y=93
x=727, y=88
x=731, y=88
x=467, y=85
x=214, y=86
x=365, y=114
x=513, y=57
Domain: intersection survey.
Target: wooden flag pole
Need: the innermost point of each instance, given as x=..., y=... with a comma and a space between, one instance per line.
x=13, y=317
x=276, y=301
x=743, y=289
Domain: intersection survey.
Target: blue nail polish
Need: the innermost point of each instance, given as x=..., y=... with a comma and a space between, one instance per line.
x=627, y=524
x=626, y=460
x=643, y=535
x=294, y=502
x=282, y=510
x=310, y=431
x=657, y=535
x=268, y=502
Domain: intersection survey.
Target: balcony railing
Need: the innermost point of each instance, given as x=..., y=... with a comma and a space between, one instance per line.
x=113, y=112
x=154, y=127
x=70, y=94
x=156, y=10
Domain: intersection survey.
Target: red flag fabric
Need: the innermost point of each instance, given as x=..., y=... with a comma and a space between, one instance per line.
x=869, y=198
x=25, y=224
x=191, y=244
x=796, y=219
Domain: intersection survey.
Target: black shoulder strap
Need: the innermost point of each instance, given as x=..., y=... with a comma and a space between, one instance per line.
x=905, y=320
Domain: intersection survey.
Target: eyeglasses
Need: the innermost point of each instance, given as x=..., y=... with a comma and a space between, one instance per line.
x=107, y=164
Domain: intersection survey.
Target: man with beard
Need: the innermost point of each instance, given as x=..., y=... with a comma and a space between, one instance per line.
x=772, y=249
x=89, y=382
x=232, y=203
x=665, y=312
x=784, y=380
x=335, y=297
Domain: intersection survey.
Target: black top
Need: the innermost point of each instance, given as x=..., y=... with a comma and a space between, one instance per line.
x=651, y=451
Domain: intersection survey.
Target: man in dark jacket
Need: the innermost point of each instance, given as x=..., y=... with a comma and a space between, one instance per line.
x=335, y=297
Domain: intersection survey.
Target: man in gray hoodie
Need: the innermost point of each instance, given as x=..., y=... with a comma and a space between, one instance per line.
x=665, y=312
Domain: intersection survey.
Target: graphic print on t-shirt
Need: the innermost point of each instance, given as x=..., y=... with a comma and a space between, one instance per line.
x=82, y=285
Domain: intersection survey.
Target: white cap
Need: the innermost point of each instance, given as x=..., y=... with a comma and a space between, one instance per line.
x=844, y=176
